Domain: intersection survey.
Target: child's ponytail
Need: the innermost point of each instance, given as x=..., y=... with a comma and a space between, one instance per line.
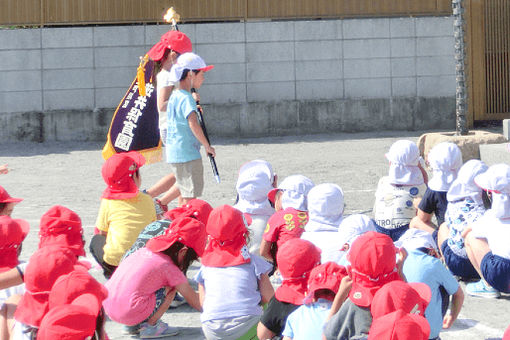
x=172, y=252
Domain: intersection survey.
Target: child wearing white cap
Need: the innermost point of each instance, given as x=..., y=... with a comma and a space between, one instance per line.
x=397, y=194
x=256, y=179
x=445, y=160
x=465, y=206
x=290, y=201
x=487, y=243
x=184, y=133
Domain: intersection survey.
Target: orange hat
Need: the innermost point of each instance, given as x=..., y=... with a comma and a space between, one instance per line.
x=296, y=258
x=399, y=326
x=195, y=208
x=412, y=298
x=226, y=228
x=6, y=198
x=45, y=266
x=117, y=173
x=187, y=230
x=61, y=226
x=173, y=40
x=373, y=263
x=12, y=233
x=325, y=276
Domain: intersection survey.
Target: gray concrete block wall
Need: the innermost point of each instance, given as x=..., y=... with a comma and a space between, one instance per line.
x=378, y=67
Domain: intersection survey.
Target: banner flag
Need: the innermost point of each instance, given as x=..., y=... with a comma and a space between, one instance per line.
x=134, y=125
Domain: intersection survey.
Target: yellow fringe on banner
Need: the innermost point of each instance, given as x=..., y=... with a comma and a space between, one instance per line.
x=140, y=75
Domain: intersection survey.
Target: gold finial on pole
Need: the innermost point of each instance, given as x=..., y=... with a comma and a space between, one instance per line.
x=171, y=16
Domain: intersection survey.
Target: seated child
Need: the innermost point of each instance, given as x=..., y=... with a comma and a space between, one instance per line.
x=399, y=325
x=12, y=234
x=144, y=284
x=445, y=160
x=291, y=214
x=7, y=202
x=351, y=228
x=296, y=258
x=465, y=206
x=373, y=264
x=307, y=321
x=398, y=193
x=487, y=244
x=422, y=265
x=256, y=179
x=232, y=282
x=325, y=213
x=196, y=208
x=124, y=211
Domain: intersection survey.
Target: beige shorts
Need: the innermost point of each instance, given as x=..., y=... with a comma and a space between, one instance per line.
x=189, y=178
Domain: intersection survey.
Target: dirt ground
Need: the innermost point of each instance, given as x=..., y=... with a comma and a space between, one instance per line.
x=69, y=174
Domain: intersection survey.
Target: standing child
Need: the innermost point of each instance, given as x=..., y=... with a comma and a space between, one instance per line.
x=307, y=321
x=445, y=160
x=290, y=201
x=185, y=135
x=232, y=282
x=398, y=193
x=487, y=244
x=465, y=206
x=144, y=284
x=296, y=259
x=256, y=179
x=124, y=210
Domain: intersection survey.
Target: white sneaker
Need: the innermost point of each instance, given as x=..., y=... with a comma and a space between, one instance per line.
x=159, y=330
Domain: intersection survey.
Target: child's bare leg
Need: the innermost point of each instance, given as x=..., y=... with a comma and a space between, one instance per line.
x=7, y=316
x=170, y=294
x=476, y=249
x=419, y=222
x=184, y=200
x=162, y=185
x=442, y=235
x=170, y=195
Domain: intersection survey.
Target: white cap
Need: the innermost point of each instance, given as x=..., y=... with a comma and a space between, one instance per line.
x=253, y=184
x=404, y=158
x=497, y=180
x=445, y=160
x=353, y=226
x=415, y=238
x=325, y=207
x=464, y=186
x=294, y=189
x=189, y=61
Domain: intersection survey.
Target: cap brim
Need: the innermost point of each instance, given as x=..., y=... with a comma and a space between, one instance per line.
x=156, y=52
x=272, y=195
x=157, y=244
x=12, y=200
x=360, y=295
x=207, y=68
x=137, y=157
x=24, y=225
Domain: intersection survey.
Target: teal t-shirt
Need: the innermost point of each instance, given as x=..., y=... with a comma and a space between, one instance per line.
x=181, y=144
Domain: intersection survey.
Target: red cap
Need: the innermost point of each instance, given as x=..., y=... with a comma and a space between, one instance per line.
x=399, y=326
x=12, y=233
x=373, y=263
x=271, y=195
x=195, y=208
x=226, y=228
x=45, y=266
x=75, y=321
x=6, y=198
x=61, y=226
x=325, y=276
x=118, y=172
x=412, y=298
x=187, y=230
x=173, y=40
x=70, y=286
x=296, y=258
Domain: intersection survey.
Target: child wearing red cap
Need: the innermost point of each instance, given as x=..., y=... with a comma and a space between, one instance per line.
x=143, y=286
x=290, y=201
x=7, y=202
x=412, y=298
x=399, y=325
x=296, y=259
x=232, y=282
x=307, y=321
x=165, y=53
x=185, y=135
x=124, y=210
x=373, y=264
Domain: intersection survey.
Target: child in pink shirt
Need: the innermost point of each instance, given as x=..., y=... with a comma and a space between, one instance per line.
x=145, y=283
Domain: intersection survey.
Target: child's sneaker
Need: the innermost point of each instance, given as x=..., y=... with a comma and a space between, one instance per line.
x=131, y=330
x=177, y=301
x=159, y=330
x=482, y=289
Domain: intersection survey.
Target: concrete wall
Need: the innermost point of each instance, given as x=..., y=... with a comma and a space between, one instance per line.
x=270, y=78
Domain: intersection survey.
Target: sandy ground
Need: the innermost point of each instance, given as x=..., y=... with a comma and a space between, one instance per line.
x=69, y=174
